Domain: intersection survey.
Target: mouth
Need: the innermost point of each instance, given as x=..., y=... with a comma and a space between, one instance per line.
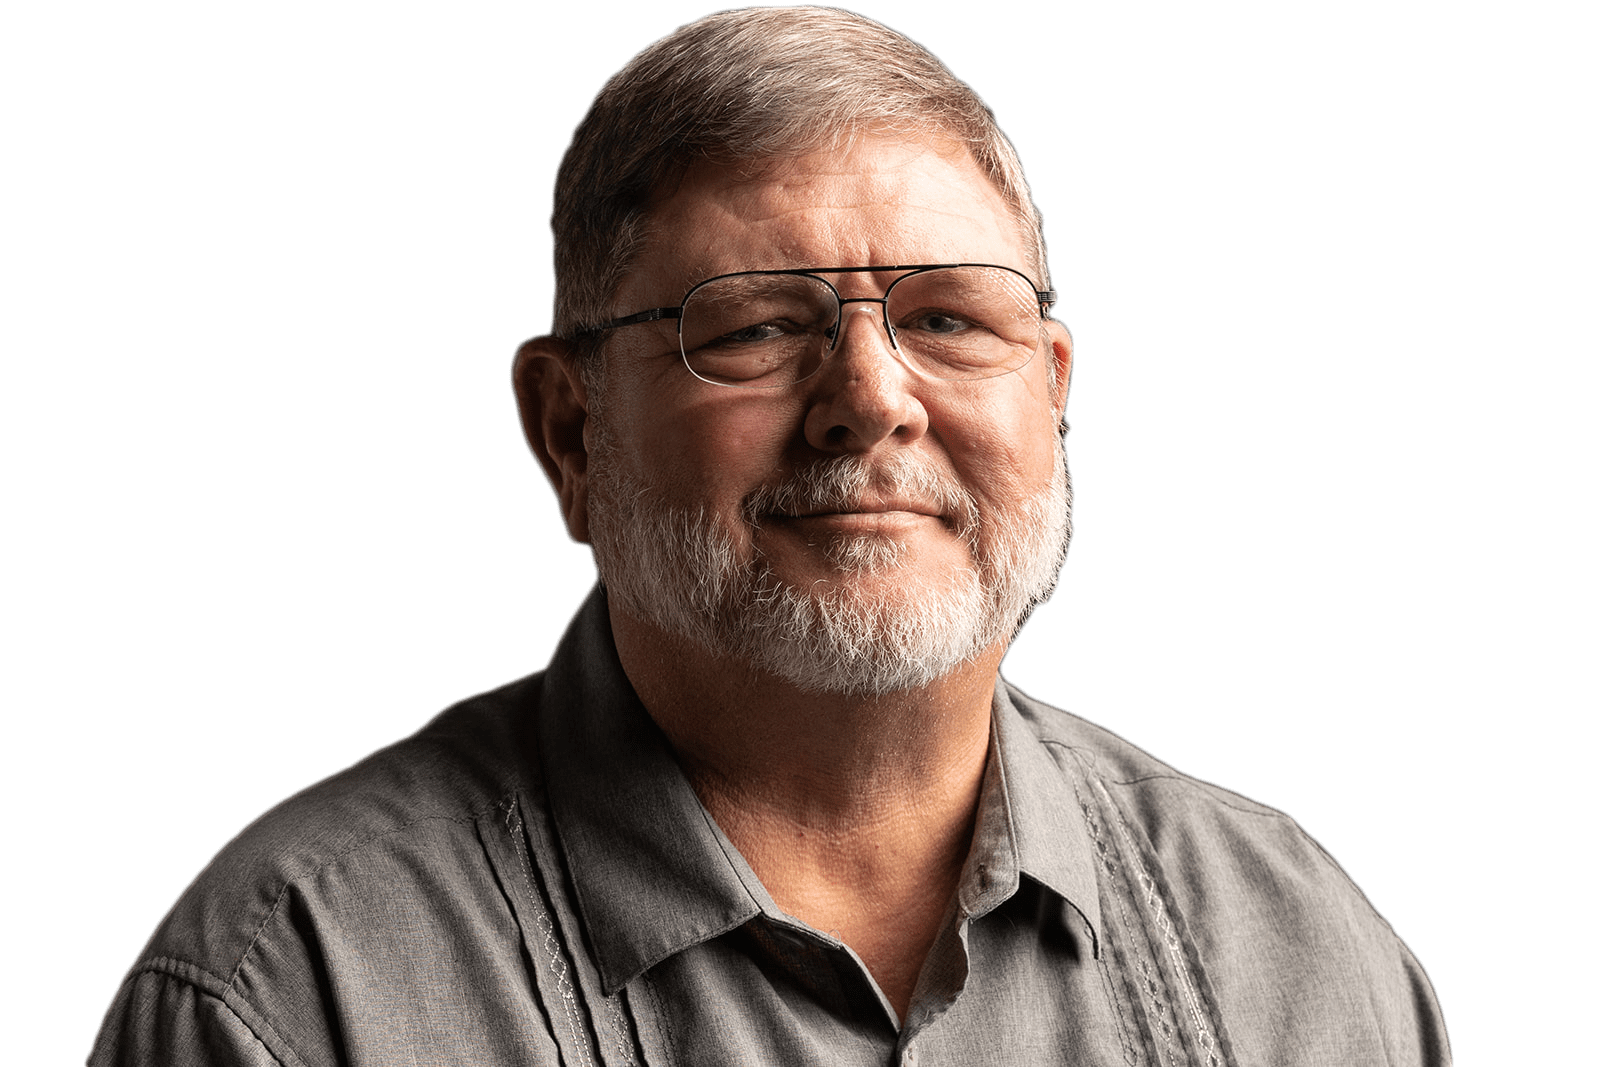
x=886, y=519
x=846, y=497
x=865, y=507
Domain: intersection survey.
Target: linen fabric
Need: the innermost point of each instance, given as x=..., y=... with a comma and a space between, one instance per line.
x=531, y=880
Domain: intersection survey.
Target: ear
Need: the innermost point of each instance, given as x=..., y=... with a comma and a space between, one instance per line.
x=1061, y=351
x=555, y=407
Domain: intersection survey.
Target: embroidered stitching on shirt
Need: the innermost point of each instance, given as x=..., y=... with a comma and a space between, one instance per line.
x=552, y=944
x=1130, y=1054
x=1150, y=991
x=619, y=1023
x=1169, y=936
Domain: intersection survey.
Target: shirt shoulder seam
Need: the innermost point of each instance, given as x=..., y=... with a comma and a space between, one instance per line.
x=470, y=818
x=209, y=984
x=1224, y=797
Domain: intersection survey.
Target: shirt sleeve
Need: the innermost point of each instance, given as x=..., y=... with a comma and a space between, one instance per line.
x=162, y=1019
x=1424, y=1018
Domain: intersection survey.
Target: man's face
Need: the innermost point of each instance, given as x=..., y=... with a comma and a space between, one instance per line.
x=866, y=504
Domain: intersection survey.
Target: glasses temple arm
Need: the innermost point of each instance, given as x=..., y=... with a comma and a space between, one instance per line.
x=642, y=316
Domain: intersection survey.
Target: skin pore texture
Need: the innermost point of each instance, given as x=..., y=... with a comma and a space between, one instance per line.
x=845, y=765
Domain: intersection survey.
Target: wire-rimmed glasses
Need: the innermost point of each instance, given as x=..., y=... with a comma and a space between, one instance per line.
x=764, y=329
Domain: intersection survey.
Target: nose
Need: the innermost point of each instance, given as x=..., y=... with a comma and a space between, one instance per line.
x=863, y=395
x=845, y=310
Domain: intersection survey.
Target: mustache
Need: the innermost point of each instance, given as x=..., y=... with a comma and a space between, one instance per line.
x=844, y=482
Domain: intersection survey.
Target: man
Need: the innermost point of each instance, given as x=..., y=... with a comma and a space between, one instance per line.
x=771, y=802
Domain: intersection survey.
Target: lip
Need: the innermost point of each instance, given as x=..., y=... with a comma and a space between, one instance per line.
x=887, y=507
x=889, y=519
x=886, y=513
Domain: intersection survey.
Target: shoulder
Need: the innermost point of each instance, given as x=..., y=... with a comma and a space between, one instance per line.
x=1281, y=931
x=1202, y=834
x=1164, y=802
x=411, y=793
x=387, y=852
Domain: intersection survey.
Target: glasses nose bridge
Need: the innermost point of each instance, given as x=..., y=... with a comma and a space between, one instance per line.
x=883, y=312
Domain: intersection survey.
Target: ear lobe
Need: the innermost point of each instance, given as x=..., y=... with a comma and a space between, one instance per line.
x=555, y=407
x=1061, y=351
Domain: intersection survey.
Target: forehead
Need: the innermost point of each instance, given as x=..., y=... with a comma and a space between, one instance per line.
x=876, y=200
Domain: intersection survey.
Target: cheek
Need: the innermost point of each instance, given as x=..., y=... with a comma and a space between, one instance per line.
x=1002, y=444
x=713, y=450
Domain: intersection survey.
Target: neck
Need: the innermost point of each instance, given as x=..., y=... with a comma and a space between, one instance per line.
x=739, y=732
x=856, y=812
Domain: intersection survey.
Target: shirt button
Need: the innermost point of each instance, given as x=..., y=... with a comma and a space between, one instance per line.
x=910, y=1056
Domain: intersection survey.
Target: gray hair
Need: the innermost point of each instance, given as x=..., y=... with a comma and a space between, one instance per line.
x=737, y=88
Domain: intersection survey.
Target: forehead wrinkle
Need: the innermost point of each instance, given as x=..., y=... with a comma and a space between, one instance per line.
x=843, y=233
x=824, y=210
x=834, y=182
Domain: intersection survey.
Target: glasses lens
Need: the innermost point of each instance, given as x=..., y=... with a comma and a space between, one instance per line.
x=965, y=322
x=757, y=330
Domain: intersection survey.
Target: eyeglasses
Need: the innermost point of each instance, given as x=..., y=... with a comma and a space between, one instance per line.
x=764, y=329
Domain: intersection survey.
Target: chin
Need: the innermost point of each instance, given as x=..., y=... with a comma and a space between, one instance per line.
x=866, y=554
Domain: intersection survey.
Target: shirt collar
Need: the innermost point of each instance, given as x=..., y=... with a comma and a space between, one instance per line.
x=653, y=874
x=1036, y=789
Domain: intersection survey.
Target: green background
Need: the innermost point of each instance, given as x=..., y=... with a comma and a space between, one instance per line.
x=268, y=507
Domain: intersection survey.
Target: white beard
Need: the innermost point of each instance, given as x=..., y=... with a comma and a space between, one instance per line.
x=680, y=569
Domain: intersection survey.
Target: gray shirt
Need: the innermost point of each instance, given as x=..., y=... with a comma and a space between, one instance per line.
x=531, y=880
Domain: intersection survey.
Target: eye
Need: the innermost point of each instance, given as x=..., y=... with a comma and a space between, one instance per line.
x=936, y=321
x=756, y=333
